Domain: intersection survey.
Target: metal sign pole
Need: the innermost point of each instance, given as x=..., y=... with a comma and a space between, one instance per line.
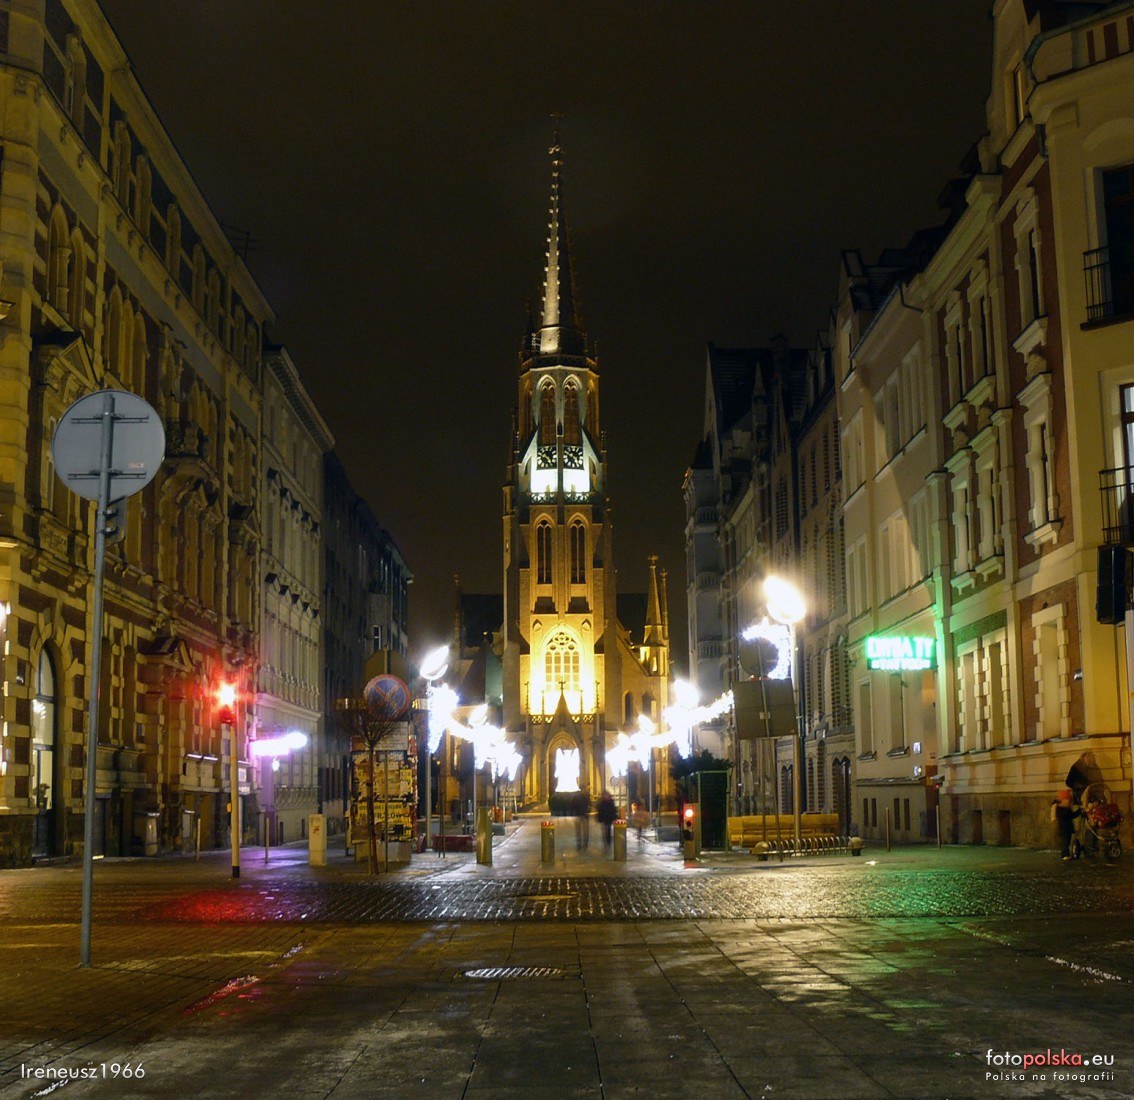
x=122, y=464
x=93, y=686
x=234, y=805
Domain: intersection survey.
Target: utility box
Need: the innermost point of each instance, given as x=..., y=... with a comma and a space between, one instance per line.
x=317, y=840
x=712, y=807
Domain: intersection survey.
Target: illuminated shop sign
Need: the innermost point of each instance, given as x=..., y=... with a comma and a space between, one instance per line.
x=900, y=653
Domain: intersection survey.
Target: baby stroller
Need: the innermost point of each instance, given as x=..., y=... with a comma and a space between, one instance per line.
x=1097, y=825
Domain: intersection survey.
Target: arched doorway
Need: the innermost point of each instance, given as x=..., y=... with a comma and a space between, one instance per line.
x=45, y=831
x=563, y=757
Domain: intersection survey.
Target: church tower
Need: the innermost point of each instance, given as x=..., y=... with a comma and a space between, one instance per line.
x=565, y=653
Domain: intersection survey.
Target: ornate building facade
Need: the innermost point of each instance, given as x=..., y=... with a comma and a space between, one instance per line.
x=289, y=678
x=365, y=610
x=984, y=393
x=115, y=273
x=572, y=674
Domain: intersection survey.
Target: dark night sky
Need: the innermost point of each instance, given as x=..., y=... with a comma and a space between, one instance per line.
x=390, y=161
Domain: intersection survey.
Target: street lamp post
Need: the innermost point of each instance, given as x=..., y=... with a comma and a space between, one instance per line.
x=786, y=605
x=226, y=712
x=435, y=665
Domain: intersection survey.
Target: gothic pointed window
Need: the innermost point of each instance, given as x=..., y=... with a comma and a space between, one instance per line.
x=543, y=553
x=58, y=262
x=547, y=415
x=578, y=553
x=561, y=663
x=571, y=413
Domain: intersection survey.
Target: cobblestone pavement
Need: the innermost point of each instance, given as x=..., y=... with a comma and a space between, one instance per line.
x=895, y=975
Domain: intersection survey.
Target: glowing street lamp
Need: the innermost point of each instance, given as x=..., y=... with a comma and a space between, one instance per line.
x=785, y=603
x=433, y=667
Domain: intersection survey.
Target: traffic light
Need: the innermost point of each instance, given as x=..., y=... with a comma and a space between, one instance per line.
x=226, y=703
x=690, y=833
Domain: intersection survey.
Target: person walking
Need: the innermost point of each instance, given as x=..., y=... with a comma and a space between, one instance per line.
x=581, y=804
x=1065, y=813
x=639, y=819
x=607, y=812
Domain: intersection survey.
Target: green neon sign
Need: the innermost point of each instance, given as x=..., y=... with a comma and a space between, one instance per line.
x=900, y=653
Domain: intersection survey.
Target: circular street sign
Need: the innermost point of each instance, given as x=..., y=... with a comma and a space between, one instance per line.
x=388, y=697
x=137, y=444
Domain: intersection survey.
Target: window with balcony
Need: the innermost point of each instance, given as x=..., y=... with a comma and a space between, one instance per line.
x=1110, y=269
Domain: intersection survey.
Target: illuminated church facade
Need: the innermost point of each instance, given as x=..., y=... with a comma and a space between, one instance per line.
x=575, y=670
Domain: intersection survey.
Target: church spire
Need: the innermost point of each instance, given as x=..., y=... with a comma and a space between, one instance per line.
x=655, y=627
x=559, y=331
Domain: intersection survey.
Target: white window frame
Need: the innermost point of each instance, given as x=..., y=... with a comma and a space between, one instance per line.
x=1043, y=499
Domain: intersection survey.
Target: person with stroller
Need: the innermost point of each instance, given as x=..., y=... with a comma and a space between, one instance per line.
x=1082, y=774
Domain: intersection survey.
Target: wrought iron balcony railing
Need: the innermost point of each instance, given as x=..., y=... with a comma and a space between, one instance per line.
x=1109, y=273
x=1117, y=487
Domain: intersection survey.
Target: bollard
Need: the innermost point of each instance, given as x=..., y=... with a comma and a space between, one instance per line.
x=854, y=845
x=317, y=840
x=484, y=836
x=620, y=841
x=547, y=842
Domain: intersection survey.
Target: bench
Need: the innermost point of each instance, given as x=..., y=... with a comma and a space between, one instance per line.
x=818, y=832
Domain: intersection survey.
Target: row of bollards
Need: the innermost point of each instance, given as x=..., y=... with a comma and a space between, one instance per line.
x=547, y=842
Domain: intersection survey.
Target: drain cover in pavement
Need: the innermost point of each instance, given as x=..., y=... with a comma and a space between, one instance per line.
x=545, y=897
x=498, y=973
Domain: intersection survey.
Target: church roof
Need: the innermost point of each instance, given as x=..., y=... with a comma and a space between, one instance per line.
x=732, y=372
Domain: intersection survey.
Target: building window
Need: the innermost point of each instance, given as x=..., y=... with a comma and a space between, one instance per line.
x=58, y=262
x=547, y=415
x=897, y=711
x=571, y=413
x=43, y=734
x=956, y=366
x=1049, y=647
x=988, y=506
x=781, y=509
x=543, y=553
x=561, y=663
x=968, y=699
x=962, y=523
x=1118, y=214
x=578, y=553
x=1043, y=500
x=852, y=460
x=864, y=719
x=1028, y=263
x=858, y=593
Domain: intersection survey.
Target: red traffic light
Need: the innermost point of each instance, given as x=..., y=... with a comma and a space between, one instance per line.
x=690, y=811
x=226, y=702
